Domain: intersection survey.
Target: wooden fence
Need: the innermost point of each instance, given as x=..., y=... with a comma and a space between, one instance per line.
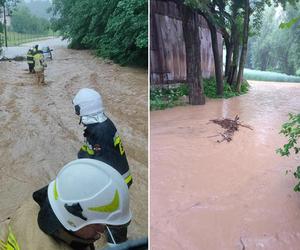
x=167, y=47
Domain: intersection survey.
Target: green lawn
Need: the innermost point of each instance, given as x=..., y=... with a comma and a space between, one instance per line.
x=15, y=39
x=258, y=75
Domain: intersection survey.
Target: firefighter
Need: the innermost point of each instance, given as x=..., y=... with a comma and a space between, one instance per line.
x=75, y=210
x=30, y=60
x=39, y=67
x=102, y=141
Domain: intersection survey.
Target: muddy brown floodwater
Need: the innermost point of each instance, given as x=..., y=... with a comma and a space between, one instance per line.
x=40, y=132
x=214, y=196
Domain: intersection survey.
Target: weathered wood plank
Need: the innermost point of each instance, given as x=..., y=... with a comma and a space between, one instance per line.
x=167, y=47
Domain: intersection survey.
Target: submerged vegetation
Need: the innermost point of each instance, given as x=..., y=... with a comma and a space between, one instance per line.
x=171, y=96
x=167, y=97
x=229, y=91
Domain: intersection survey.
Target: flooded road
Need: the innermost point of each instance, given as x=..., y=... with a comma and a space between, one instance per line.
x=224, y=196
x=40, y=132
x=12, y=52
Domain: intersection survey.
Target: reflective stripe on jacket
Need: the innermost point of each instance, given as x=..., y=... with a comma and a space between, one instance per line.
x=38, y=62
x=103, y=143
x=30, y=57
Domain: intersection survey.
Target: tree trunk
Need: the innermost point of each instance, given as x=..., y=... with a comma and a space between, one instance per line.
x=229, y=50
x=193, y=58
x=245, y=46
x=234, y=41
x=265, y=61
x=217, y=59
x=234, y=63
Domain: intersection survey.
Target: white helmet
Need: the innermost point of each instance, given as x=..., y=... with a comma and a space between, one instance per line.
x=88, y=191
x=88, y=102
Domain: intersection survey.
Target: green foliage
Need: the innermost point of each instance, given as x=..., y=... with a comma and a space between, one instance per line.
x=39, y=8
x=125, y=39
x=289, y=24
x=291, y=130
x=258, y=75
x=210, y=89
x=23, y=22
x=162, y=98
x=116, y=29
x=10, y=4
x=277, y=49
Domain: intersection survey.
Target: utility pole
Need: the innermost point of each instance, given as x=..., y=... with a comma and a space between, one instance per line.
x=4, y=20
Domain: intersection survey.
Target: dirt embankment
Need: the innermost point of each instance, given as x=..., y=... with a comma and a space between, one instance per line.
x=40, y=132
x=229, y=195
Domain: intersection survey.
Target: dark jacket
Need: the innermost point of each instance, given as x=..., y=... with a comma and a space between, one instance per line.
x=50, y=225
x=102, y=142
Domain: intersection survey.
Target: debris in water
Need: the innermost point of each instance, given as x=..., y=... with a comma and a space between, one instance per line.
x=242, y=243
x=230, y=125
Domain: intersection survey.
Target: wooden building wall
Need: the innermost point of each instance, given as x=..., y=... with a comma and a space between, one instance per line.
x=167, y=47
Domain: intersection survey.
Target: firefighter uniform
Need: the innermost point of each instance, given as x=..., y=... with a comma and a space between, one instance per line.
x=22, y=232
x=39, y=66
x=102, y=142
x=30, y=60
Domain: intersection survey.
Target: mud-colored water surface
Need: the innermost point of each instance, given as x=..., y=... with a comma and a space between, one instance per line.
x=213, y=196
x=40, y=132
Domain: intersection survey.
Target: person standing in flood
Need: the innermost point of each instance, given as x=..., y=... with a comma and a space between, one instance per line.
x=39, y=67
x=103, y=143
x=30, y=60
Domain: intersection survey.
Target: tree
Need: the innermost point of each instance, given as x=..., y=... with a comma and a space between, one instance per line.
x=116, y=29
x=232, y=50
x=276, y=49
x=193, y=56
x=125, y=38
x=23, y=22
x=245, y=44
x=6, y=6
x=212, y=12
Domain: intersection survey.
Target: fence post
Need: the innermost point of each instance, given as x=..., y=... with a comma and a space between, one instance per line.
x=4, y=20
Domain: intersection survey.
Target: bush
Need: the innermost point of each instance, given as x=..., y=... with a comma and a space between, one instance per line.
x=162, y=98
x=167, y=97
x=125, y=39
x=210, y=89
x=291, y=130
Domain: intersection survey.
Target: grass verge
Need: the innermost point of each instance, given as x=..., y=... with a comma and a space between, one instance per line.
x=15, y=39
x=258, y=75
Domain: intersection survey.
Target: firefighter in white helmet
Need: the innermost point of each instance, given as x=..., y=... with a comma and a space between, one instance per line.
x=102, y=141
x=77, y=207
